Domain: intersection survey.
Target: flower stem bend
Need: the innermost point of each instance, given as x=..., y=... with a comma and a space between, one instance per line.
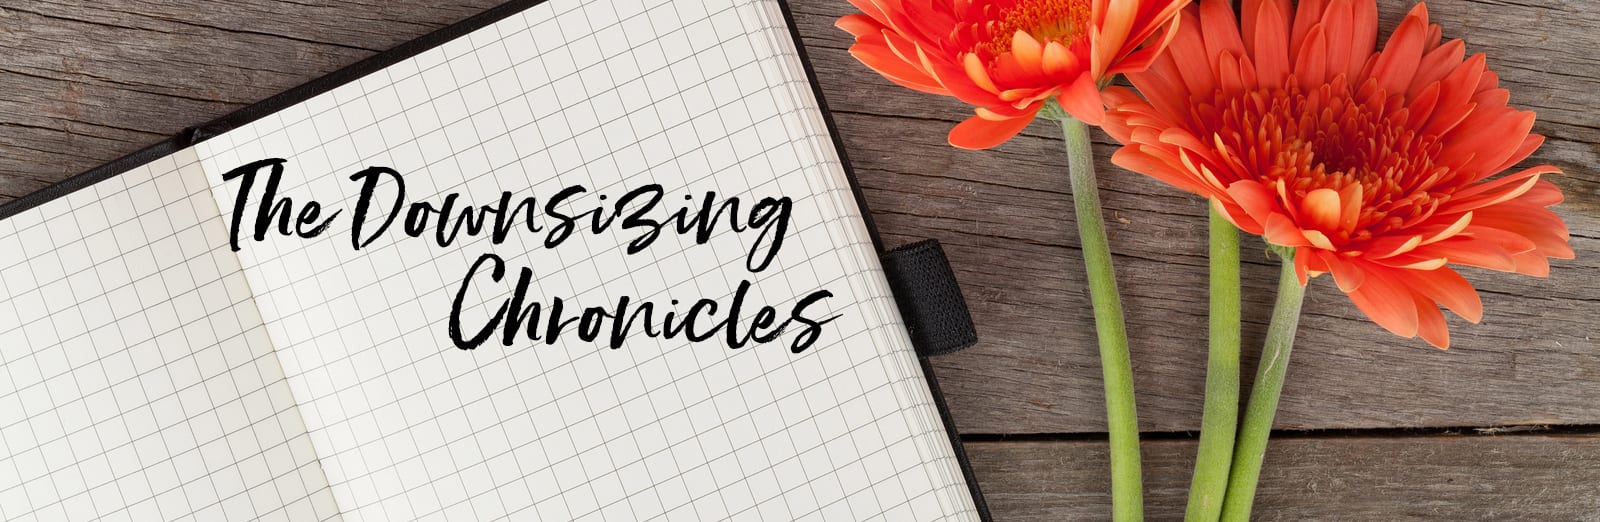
x=1122, y=425
x=1221, y=418
x=1257, y=426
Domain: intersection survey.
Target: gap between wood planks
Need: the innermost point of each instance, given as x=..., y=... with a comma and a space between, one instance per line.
x=1542, y=430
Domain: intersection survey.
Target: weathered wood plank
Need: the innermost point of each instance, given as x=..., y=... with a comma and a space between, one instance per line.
x=86, y=82
x=1005, y=217
x=82, y=84
x=1472, y=477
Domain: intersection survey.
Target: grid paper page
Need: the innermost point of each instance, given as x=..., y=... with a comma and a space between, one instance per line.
x=136, y=379
x=612, y=95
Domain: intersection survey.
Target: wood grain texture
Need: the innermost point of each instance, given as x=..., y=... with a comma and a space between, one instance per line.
x=1469, y=477
x=81, y=84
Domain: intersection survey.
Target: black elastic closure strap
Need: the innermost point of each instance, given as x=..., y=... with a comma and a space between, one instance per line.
x=929, y=298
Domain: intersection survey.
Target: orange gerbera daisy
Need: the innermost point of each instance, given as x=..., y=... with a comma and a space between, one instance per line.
x=1372, y=166
x=1007, y=57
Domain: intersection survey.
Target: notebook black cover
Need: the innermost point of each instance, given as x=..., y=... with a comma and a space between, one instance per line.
x=193, y=135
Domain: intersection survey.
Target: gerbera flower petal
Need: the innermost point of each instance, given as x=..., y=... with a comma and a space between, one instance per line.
x=1220, y=30
x=1254, y=198
x=1430, y=323
x=1446, y=287
x=1111, y=32
x=1381, y=168
x=1387, y=303
x=1401, y=56
x=1188, y=52
x=1270, y=46
x=1320, y=209
x=1029, y=53
x=1056, y=60
x=1082, y=101
x=1348, y=276
x=1012, y=52
x=1474, y=251
x=896, y=70
x=1436, y=64
x=978, y=132
x=858, y=25
x=975, y=72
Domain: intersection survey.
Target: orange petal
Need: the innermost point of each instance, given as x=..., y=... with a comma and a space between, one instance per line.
x=883, y=61
x=1431, y=325
x=1138, y=158
x=1219, y=29
x=1529, y=144
x=1253, y=198
x=1236, y=215
x=976, y=73
x=1450, y=231
x=1543, y=194
x=1112, y=33
x=1338, y=26
x=1308, y=15
x=1448, y=288
x=977, y=133
x=1028, y=52
x=1281, y=231
x=1364, y=15
x=1532, y=264
x=1387, y=304
x=1538, y=224
x=1082, y=100
x=1141, y=59
x=1058, y=61
x=1269, y=40
x=1320, y=209
x=1347, y=274
x=1350, y=196
x=1318, y=239
x=1436, y=64
x=1311, y=66
x=1188, y=52
x=1398, y=62
x=1390, y=246
x=858, y=25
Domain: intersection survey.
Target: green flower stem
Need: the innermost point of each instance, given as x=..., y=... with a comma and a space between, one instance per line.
x=1257, y=426
x=1221, y=418
x=1127, y=497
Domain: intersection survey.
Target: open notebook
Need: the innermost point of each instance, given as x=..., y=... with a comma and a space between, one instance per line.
x=632, y=211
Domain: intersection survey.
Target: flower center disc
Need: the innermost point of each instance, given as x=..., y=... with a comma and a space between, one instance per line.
x=1063, y=21
x=1331, y=138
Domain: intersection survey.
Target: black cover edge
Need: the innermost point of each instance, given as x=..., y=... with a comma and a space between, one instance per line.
x=194, y=135
x=877, y=243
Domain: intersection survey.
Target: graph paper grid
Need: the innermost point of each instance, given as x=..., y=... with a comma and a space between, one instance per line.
x=136, y=379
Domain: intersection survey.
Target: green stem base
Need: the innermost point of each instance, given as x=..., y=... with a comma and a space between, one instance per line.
x=1127, y=495
x=1252, y=444
x=1221, y=418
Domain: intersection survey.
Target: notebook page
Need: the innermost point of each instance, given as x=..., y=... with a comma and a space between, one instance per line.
x=911, y=386
x=610, y=96
x=136, y=380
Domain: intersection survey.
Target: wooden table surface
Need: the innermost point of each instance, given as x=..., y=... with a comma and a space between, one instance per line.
x=1504, y=425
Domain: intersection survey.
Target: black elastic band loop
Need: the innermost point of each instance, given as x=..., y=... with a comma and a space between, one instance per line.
x=929, y=298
